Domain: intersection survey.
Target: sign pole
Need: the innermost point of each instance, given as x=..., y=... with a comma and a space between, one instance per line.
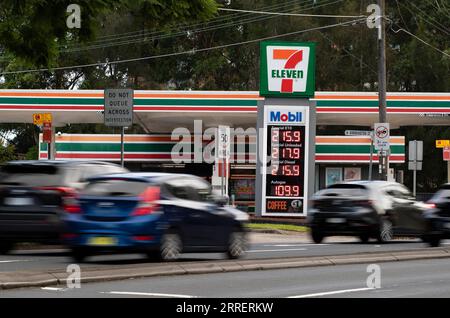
x=415, y=168
x=371, y=158
x=122, y=145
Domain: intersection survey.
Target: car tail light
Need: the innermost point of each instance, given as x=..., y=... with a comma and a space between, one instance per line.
x=69, y=198
x=147, y=204
x=430, y=205
x=143, y=238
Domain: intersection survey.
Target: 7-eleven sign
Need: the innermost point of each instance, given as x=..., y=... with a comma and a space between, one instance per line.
x=287, y=69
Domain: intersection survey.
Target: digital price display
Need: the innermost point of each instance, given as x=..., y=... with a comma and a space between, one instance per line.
x=284, y=169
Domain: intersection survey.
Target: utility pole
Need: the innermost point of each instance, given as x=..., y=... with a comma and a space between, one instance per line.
x=384, y=156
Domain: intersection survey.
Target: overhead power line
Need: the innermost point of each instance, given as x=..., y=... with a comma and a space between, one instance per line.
x=421, y=40
x=193, y=51
x=294, y=14
x=144, y=36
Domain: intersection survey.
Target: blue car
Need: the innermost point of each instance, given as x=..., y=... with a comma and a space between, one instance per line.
x=161, y=215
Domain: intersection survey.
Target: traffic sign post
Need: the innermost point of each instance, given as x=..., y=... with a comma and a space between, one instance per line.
x=223, y=154
x=381, y=143
x=118, y=112
x=415, y=159
x=44, y=121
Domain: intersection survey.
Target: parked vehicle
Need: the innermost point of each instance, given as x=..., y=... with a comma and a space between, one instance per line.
x=366, y=209
x=161, y=215
x=438, y=216
x=34, y=194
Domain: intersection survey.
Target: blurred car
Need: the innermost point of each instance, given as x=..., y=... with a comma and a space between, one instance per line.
x=438, y=216
x=161, y=215
x=34, y=194
x=366, y=209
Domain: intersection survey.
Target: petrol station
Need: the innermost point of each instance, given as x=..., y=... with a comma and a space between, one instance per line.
x=277, y=179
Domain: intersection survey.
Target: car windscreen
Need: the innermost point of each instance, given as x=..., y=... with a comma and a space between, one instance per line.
x=115, y=187
x=39, y=175
x=344, y=190
x=441, y=195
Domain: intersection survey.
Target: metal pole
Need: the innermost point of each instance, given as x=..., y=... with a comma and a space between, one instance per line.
x=371, y=157
x=382, y=81
x=122, y=146
x=415, y=168
x=222, y=192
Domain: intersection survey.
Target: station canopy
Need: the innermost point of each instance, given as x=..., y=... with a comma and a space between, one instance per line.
x=162, y=111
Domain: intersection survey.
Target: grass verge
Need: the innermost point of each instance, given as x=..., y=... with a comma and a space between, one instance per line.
x=279, y=227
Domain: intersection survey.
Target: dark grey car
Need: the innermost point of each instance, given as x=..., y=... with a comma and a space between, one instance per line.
x=34, y=194
x=366, y=209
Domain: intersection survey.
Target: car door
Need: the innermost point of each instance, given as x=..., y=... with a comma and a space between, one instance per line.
x=408, y=212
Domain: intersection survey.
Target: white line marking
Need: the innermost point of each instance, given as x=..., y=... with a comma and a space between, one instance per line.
x=293, y=245
x=14, y=261
x=332, y=292
x=278, y=250
x=148, y=294
x=52, y=288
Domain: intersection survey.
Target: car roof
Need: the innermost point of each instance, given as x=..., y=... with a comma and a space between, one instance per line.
x=371, y=183
x=142, y=176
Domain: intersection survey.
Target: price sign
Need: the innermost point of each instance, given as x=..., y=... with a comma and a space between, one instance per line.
x=284, y=176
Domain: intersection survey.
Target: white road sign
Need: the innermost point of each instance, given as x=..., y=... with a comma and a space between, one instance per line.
x=358, y=132
x=381, y=136
x=223, y=142
x=118, y=107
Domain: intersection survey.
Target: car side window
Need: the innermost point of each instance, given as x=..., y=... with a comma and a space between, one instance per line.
x=200, y=190
x=177, y=188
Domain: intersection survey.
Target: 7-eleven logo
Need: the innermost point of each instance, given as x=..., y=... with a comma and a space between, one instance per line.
x=287, y=68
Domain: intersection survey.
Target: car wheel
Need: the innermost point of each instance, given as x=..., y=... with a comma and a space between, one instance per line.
x=5, y=247
x=237, y=245
x=171, y=246
x=434, y=241
x=364, y=238
x=317, y=236
x=386, y=231
x=79, y=254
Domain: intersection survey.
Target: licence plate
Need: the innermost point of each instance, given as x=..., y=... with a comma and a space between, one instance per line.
x=102, y=241
x=18, y=201
x=335, y=220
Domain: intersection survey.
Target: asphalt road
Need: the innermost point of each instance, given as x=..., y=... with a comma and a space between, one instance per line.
x=427, y=278
x=24, y=260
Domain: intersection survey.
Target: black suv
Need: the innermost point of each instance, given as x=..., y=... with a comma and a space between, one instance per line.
x=34, y=194
x=367, y=209
x=438, y=216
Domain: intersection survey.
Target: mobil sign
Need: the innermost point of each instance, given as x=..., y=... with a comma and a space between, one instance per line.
x=287, y=69
x=284, y=117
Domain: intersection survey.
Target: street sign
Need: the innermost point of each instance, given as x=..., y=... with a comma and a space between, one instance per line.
x=40, y=119
x=442, y=143
x=381, y=134
x=223, y=142
x=415, y=150
x=358, y=132
x=118, y=109
x=415, y=165
x=446, y=153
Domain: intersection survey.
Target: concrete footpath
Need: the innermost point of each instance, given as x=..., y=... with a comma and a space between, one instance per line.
x=19, y=279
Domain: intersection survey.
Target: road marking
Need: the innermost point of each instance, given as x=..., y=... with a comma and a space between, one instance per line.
x=293, y=245
x=278, y=250
x=52, y=288
x=343, y=291
x=148, y=294
x=15, y=261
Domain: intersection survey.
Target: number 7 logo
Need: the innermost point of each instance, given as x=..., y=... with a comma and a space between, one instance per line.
x=293, y=58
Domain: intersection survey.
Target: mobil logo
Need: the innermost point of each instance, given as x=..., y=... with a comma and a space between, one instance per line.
x=285, y=117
